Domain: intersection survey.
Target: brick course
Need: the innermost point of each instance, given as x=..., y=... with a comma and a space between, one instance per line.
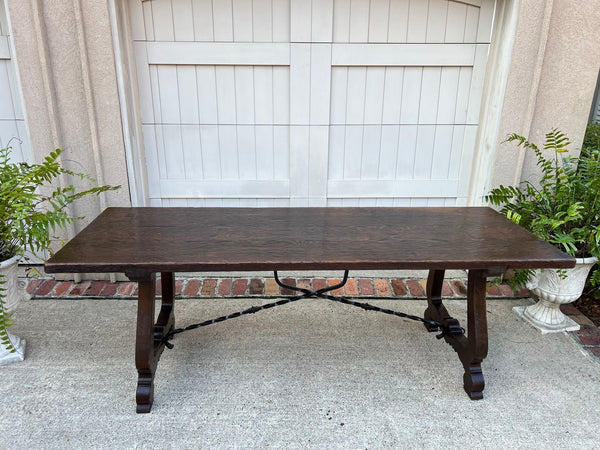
x=256, y=286
x=366, y=286
x=415, y=289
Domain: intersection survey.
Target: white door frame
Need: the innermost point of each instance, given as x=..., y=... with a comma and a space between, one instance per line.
x=503, y=32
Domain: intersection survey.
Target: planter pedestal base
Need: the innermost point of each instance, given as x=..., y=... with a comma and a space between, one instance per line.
x=6, y=357
x=567, y=324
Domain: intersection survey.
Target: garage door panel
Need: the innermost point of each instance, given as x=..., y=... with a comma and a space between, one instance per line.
x=379, y=12
x=388, y=153
x=370, y=155
x=281, y=95
x=246, y=152
x=244, y=95
x=456, y=150
x=320, y=83
x=206, y=82
x=214, y=21
x=396, y=32
x=372, y=152
x=446, y=110
x=352, y=151
x=403, y=21
x=211, y=155
x=355, y=91
x=224, y=152
x=463, y=94
x=281, y=20
x=440, y=162
x=7, y=106
x=228, y=150
x=420, y=189
x=374, y=95
x=337, y=140
x=173, y=151
x=222, y=21
x=457, y=16
x=217, y=95
x=417, y=21
x=169, y=100
x=191, y=144
x=430, y=95
x=151, y=160
x=183, y=21
x=403, y=54
x=411, y=95
x=405, y=153
x=339, y=95
x=424, y=152
x=202, y=18
x=392, y=96
x=436, y=21
x=242, y=27
x=477, y=80
x=265, y=153
x=250, y=95
x=263, y=88
x=471, y=24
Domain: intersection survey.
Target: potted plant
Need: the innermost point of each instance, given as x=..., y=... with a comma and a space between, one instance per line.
x=32, y=207
x=562, y=208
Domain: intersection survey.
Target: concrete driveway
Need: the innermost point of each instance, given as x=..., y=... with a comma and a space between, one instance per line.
x=307, y=375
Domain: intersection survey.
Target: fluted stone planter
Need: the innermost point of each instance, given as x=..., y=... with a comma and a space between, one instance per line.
x=14, y=293
x=552, y=291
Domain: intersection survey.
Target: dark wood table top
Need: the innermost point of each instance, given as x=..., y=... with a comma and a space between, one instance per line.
x=226, y=239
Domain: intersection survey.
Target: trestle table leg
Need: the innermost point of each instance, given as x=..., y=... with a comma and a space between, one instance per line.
x=149, y=335
x=471, y=348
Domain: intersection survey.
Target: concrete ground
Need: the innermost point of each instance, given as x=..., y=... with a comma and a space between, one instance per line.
x=313, y=374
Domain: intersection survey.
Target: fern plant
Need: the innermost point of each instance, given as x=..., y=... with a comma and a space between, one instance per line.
x=31, y=209
x=563, y=207
x=591, y=144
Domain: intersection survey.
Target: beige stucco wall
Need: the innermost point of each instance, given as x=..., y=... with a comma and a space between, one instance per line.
x=64, y=50
x=66, y=67
x=553, y=73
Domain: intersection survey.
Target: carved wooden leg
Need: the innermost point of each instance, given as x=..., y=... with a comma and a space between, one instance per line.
x=478, y=334
x=434, y=297
x=145, y=359
x=166, y=316
x=472, y=349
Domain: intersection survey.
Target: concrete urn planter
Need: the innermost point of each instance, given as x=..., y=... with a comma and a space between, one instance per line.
x=553, y=290
x=14, y=292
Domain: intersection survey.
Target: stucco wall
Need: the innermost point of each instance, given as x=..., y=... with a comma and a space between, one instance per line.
x=553, y=72
x=67, y=73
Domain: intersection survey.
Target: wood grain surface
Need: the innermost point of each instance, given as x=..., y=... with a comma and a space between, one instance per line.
x=221, y=239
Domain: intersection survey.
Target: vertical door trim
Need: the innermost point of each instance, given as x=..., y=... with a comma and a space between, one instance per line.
x=129, y=101
x=498, y=65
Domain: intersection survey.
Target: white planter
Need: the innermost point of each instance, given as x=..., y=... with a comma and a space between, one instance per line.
x=14, y=292
x=554, y=290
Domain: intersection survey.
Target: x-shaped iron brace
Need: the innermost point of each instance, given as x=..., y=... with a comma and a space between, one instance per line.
x=320, y=293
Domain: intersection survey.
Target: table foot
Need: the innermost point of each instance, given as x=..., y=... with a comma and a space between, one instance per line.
x=474, y=382
x=144, y=395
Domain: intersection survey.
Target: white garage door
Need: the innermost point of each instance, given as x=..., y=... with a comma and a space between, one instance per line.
x=293, y=102
x=12, y=119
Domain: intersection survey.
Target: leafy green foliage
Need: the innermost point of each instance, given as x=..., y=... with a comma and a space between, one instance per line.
x=591, y=145
x=563, y=207
x=32, y=207
x=4, y=319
